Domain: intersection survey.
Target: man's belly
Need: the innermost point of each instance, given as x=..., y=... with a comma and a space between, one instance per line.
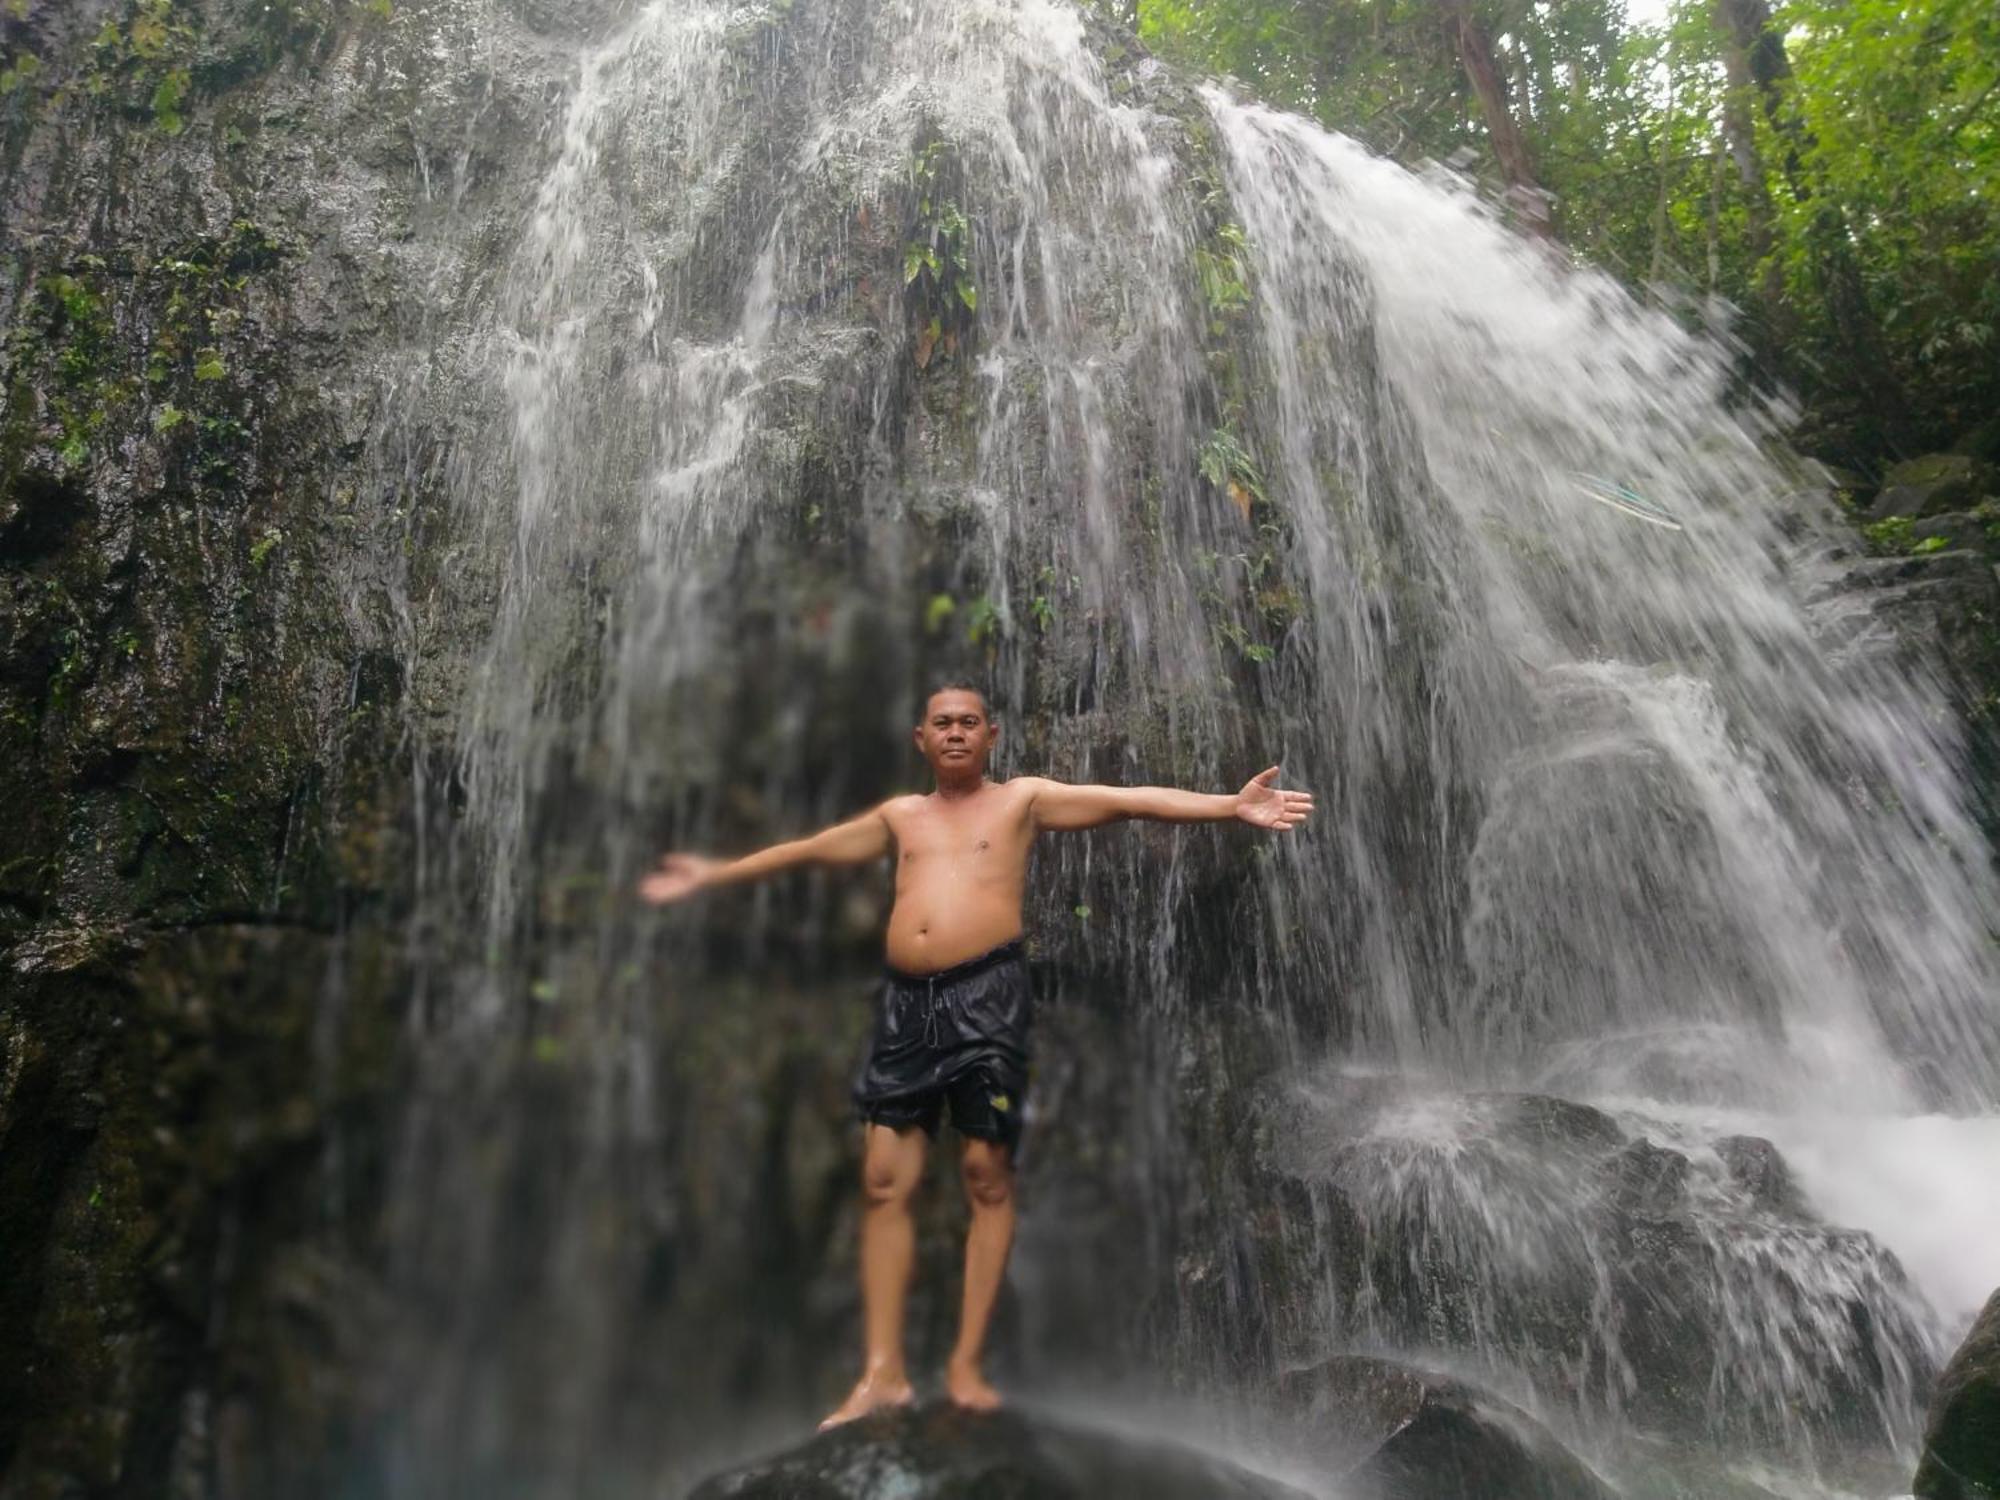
x=925, y=936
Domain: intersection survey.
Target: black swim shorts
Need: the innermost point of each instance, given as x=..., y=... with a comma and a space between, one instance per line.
x=958, y=1036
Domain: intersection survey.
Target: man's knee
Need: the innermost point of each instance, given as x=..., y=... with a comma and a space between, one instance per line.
x=890, y=1172
x=988, y=1173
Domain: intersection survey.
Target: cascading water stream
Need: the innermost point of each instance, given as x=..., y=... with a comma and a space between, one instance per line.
x=1608, y=812
x=1820, y=876
x=1720, y=879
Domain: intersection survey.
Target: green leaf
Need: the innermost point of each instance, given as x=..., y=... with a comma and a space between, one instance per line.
x=208, y=365
x=939, y=610
x=968, y=294
x=982, y=621
x=152, y=31
x=913, y=263
x=167, y=418
x=23, y=71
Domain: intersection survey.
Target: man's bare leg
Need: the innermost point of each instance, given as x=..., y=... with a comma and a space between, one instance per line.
x=892, y=1164
x=988, y=1170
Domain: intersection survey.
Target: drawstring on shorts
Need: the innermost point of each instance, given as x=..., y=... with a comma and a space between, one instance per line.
x=933, y=1031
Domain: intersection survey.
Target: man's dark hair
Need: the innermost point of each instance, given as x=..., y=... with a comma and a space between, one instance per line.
x=955, y=685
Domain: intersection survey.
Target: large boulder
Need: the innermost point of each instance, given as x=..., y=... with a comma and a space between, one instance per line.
x=1962, y=1438
x=940, y=1453
x=1607, y=1262
x=1935, y=483
x=1390, y=1431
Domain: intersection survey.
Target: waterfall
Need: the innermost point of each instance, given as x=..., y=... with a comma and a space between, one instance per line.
x=1208, y=440
x=1696, y=808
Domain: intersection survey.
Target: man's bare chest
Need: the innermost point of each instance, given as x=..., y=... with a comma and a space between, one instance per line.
x=987, y=845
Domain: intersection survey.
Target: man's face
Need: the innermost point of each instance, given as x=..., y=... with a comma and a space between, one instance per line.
x=956, y=734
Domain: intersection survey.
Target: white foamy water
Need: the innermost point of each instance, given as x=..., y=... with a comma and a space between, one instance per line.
x=1923, y=1185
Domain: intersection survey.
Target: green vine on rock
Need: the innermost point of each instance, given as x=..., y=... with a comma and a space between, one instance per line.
x=1224, y=284
x=142, y=64
x=937, y=256
x=985, y=623
x=68, y=325
x=1225, y=463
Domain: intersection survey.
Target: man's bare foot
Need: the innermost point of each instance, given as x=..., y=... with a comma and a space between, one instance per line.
x=968, y=1388
x=872, y=1393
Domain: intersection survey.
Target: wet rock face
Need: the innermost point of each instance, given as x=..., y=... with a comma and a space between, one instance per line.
x=943, y=1454
x=1962, y=1439
x=169, y=1104
x=1759, y=1168
x=1941, y=611
x=1394, y=1432
x=1621, y=1267
x=209, y=217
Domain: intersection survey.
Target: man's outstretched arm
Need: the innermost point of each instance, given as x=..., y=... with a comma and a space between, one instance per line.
x=854, y=842
x=1060, y=806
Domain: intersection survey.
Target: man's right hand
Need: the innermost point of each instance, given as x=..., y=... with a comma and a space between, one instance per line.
x=678, y=877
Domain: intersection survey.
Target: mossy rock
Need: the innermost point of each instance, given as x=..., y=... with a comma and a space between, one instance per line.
x=1962, y=1439
x=1934, y=484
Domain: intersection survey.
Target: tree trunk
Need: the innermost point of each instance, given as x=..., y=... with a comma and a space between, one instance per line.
x=1510, y=146
x=1717, y=171
x=1742, y=24
x=1663, y=194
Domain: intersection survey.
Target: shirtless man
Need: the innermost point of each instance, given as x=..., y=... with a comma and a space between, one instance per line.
x=952, y=1024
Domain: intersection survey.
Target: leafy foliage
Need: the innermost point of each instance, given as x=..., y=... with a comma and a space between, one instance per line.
x=937, y=254
x=1831, y=167
x=1226, y=464
x=1898, y=110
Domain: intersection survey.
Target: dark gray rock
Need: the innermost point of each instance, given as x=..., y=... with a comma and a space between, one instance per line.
x=1649, y=1180
x=1925, y=576
x=1758, y=1168
x=1394, y=1432
x=1962, y=1438
x=1933, y=484
x=1536, y=1230
x=940, y=1453
x=1563, y=1123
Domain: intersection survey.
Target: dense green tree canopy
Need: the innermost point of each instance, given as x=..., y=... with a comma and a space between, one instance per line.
x=1830, y=167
